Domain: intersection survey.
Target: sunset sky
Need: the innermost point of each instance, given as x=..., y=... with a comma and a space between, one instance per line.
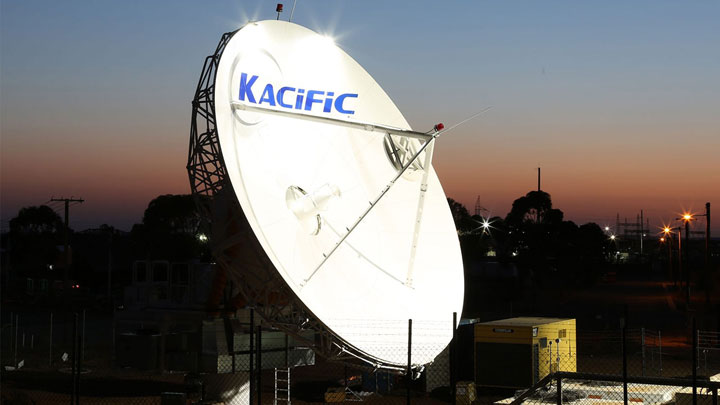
x=617, y=101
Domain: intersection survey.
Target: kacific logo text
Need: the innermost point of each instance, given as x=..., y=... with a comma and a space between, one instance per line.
x=294, y=98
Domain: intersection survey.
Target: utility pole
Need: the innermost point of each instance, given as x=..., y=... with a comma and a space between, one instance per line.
x=538, y=179
x=687, y=261
x=680, y=255
x=66, y=253
x=642, y=233
x=708, y=266
x=479, y=209
x=707, y=237
x=110, y=261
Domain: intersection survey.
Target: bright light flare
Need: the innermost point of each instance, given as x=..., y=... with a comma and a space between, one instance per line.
x=612, y=237
x=327, y=40
x=687, y=217
x=666, y=230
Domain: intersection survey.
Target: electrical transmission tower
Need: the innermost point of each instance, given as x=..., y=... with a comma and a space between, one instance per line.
x=479, y=209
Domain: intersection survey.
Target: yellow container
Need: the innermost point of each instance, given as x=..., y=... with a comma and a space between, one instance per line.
x=518, y=352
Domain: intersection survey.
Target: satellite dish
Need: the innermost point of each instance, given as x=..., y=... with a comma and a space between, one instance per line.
x=338, y=191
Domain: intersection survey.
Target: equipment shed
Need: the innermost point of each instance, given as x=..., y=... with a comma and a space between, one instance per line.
x=518, y=352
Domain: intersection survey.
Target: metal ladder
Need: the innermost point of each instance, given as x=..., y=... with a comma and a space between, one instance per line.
x=284, y=386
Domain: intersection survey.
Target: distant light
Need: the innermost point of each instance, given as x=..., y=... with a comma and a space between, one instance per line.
x=687, y=217
x=666, y=230
x=202, y=237
x=662, y=239
x=486, y=224
x=514, y=254
x=607, y=228
x=612, y=237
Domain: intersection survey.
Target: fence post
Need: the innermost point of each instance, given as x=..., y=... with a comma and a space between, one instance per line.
x=660, y=351
x=453, y=360
x=113, y=354
x=80, y=343
x=82, y=339
x=287, y=351
x=17, y=321
x=10, y=331
x=694, y=362
x=259, y=363
x=250, y=355
x=73, y=358
x=642, y=349
x=51, y=340
x=409, y=363
x=714, y=396
x=624, y=356
x=559, y=390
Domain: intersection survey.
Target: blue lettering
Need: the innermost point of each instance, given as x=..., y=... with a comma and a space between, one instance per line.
x=299, y=99
x=268, y=95
x=280, y=95
x=327, y=107
x=303, y=101
x=246, y=87
x=311, y=99
x=340, y=100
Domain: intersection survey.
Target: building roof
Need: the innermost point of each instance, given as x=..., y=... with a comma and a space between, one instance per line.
x=524, y=321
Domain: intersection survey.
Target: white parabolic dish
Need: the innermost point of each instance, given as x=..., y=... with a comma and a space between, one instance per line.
x=303, y=183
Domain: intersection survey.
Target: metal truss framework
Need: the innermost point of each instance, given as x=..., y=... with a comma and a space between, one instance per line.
x=234, y=245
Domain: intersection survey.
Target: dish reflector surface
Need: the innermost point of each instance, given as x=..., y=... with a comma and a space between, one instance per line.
x=303, y=183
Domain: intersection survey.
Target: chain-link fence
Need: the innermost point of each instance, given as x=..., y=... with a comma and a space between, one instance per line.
x=95, y=358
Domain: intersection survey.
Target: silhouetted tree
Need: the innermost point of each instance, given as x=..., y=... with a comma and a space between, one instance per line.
x=543, y=241
x=463, y=221
x=36, y=220
x=35, y=234
x=530, y=208
x=172, y=214
x=170, y=230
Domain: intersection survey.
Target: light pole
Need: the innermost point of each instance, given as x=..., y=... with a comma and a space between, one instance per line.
x=613, y=244
x=667, y=239
x=687, y=217
x=706, y=282
x=668, y=232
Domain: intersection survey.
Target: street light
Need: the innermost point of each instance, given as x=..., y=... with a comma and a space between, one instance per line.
x=667, y=232
x=687, y=217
